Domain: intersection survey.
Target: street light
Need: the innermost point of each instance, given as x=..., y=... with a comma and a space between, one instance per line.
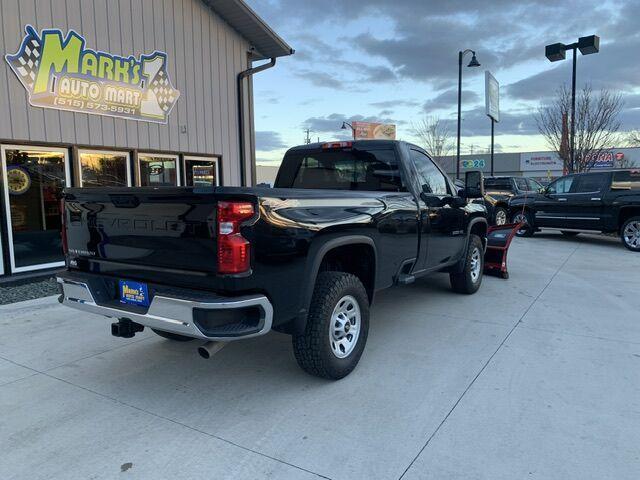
x=473, y=63
x=353, y=130
x=557, y=52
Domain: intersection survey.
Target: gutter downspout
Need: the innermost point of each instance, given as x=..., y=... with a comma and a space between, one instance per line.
x=241, y=120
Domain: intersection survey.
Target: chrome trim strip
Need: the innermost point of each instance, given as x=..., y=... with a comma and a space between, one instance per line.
x=168, y=313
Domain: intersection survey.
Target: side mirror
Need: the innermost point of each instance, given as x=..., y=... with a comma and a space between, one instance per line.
x=474, y=184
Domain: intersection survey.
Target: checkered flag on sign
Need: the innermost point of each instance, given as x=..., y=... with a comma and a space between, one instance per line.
x=25, y=63
x=164, y=91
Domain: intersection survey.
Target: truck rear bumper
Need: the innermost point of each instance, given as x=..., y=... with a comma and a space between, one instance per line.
x=194, y=314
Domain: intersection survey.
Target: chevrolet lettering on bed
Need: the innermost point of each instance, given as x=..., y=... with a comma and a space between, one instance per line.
x=305, y=258
x=60, y=72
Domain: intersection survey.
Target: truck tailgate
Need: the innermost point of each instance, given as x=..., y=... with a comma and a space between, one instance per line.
x=173, y=228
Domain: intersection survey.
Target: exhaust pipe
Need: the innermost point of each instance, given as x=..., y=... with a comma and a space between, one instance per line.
x=209, y=349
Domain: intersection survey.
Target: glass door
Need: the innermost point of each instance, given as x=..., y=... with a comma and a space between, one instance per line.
x=104, y=169
x=201, y=172
x=33, y=180
x=155, y=170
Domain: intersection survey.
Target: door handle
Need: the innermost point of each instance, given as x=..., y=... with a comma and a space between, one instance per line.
x=562, y=199
x=595, y=199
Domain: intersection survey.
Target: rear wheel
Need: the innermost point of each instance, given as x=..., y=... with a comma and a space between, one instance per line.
x=630, y=234
x=500, y=216
x=172, y=336
x=337, y=327
x=470, y=278
x=567, y=233
x=526, y=219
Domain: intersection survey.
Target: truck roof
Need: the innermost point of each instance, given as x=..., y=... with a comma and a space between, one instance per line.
x=355, y=143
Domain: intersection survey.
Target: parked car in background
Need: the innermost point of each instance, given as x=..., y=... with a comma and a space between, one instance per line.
x=343, y=221
x=607, y=202
x=499, y=190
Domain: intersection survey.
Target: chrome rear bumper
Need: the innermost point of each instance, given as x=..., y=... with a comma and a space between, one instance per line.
x=169, y=313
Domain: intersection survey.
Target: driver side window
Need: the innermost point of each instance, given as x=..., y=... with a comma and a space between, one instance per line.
x=562, y=185
x=429, y=173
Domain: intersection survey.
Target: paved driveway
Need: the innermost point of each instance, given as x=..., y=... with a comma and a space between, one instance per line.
x=534, y=377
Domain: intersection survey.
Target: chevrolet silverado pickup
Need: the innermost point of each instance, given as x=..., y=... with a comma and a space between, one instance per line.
x=607, y=202
x=343, y=221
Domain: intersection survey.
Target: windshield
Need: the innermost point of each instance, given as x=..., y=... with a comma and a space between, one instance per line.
x=341, y=169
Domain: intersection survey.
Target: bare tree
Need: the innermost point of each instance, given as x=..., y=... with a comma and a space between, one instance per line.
x=633, y=138
x=596, y=126
x=434, y=136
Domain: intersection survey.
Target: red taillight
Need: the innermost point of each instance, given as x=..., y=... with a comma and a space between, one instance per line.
x=326, y=146
x=234, y=251
x=63, y=230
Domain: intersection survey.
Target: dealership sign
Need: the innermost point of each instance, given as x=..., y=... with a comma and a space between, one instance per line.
x=492, y=96
x=370, y=131
x=540, y=161
x=59, y=72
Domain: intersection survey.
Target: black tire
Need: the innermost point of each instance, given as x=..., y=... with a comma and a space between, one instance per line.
x=629, y=240
x=465, y=281
x=501, y=215
x=313, y=348
x=172, y=336
x=528, y=229
x=569, y=234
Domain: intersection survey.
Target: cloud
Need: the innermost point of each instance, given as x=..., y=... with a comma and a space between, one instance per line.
x=267, y=141
x=395, y=103
x=332, y=123
x=448, y=100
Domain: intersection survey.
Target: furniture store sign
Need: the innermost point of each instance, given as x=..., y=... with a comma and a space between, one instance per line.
x=60, y=72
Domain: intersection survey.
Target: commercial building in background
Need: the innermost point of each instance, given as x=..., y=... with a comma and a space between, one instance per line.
x=118, y=94
x=542, y=166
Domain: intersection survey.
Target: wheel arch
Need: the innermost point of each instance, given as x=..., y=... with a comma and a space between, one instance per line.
x=338, y=254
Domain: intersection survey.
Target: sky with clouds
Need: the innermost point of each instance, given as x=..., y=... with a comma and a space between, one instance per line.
x=396, y=61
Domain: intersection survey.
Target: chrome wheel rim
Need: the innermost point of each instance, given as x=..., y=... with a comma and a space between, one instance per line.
x=521, y=218
x=344, y=328
x=501, y=217
x=476, y=264
x=631, y=234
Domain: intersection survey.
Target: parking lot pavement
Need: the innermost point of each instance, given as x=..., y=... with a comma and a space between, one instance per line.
x=534, y=377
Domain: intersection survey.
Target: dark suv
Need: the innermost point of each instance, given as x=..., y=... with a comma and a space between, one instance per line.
x=498, y=192
x=607, y=202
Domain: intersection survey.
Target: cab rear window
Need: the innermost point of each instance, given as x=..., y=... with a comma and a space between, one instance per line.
x=341, y=169
x=498, y=184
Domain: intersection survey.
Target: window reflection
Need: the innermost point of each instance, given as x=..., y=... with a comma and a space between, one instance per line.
x=201, y=172
x=103, y=169
x=157, y=171
x=35, y=179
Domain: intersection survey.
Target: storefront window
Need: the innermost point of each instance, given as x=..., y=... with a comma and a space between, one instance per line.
x=157, y=170
x=104, y=169
x=201, y=172
x=33, y=181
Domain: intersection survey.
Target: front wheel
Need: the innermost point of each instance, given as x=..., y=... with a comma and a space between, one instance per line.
x=500, y=216
x=526, y=219
x=630, y=234
x=470, y=278
x=337, y=327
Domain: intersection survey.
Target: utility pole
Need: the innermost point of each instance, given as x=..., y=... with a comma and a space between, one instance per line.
x=307, y=139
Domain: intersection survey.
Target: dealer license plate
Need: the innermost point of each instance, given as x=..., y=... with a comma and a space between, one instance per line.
x=134, y=293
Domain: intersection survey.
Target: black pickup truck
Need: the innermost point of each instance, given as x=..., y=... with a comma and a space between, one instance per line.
x=498, y=191
x=344, y=220
x=607, y=202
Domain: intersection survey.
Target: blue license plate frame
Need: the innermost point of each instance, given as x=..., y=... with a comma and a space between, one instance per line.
x=133, y=293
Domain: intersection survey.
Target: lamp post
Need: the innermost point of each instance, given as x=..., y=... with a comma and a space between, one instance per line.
x=353, y=130
x=558, y=51
x=473, y=63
